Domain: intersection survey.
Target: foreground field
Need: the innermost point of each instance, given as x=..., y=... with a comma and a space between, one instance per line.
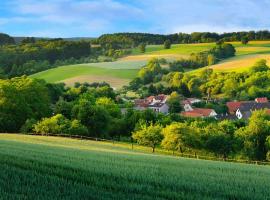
x=37, y=167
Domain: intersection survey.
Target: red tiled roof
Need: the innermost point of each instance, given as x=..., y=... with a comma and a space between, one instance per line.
x=233, y=106
x=150, y=99
x=198, y=112
x=261, y=100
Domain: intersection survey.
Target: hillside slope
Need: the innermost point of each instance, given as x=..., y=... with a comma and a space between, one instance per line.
x=38, y=167
x=119, y=73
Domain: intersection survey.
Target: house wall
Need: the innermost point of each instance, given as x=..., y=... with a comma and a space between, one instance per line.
x=187, y=107
x=238, y=114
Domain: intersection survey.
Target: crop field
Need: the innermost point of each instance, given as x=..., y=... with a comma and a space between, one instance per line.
x=39, y=167
x=114, y=73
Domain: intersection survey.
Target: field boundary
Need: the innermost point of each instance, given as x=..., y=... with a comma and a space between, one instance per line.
x=161, y=152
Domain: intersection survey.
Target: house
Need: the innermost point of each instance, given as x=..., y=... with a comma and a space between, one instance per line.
x=245, y=110
x=261, y=100
x=187, y=103
x=199, y=112
x=156, y=103
x=160, y=108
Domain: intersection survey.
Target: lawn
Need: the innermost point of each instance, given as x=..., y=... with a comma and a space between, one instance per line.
x=38, y=167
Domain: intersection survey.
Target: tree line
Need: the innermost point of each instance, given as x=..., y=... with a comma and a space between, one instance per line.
x=128, y=40
x=33, y=56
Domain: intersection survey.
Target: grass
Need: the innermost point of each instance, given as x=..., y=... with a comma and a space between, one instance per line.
x=37, y=167
x=117, y=77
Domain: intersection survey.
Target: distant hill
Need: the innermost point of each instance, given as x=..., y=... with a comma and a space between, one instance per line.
x=19, y=39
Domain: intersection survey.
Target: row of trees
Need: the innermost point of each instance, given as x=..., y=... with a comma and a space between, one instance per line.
x=225, y=138
x=128, y=40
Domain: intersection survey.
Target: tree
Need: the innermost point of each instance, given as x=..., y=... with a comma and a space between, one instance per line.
x=244, y=40
x=253, y=137
x=260, y=66
x=142, y=47
x=174, y=137
x=217, y=140
x=94, y=117
x=174, y=103
x=149, y=136
x=58, y=124
x=167, y=44
x=22, y=98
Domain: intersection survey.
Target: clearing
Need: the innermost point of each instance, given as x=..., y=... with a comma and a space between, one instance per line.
x=40, y=167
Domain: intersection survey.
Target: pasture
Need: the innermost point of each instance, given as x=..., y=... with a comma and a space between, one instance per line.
x=115, y=73
x=39, y=167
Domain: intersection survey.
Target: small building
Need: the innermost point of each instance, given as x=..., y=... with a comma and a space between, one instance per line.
x=156, y=103
x=200, y=112
x=160, y=108
x=187, y=103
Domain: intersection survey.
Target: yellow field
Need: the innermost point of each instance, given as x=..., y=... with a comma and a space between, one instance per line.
x=240, y=64
x=113, y=81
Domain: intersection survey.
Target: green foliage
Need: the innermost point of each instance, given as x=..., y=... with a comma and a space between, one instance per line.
x=244, y=40
x=95, y=118
x=174, y=103
x=58, y=124
x=254, y=136
x=142, y=47
x=6, y=39
x=150, y=72
x=148, y=135
x=167, y=44
x=260, y=66
x=21, y=99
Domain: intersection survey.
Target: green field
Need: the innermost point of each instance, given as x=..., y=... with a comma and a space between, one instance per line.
x=115, y=73
x=39, y=167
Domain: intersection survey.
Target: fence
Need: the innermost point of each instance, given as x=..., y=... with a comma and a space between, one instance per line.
x=159, y=151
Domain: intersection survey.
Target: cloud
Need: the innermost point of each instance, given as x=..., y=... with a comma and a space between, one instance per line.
x=94, y=17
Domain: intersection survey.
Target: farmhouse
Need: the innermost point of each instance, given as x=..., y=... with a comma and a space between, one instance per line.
x=244, y=109
x=199, y=112
x=156, y=103
x=187, y=103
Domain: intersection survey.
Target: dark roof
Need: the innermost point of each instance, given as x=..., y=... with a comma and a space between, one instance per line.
x=251, y=106
x=226, y=117
x=156, y=105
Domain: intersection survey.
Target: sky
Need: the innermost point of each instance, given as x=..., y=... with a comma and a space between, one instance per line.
x=91, y=18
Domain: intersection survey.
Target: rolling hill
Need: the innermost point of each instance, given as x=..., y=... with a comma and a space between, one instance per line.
x=120, y=72
x=40, y=167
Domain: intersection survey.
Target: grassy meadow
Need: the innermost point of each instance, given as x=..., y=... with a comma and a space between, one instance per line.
x=39, y=167
x=115, y=73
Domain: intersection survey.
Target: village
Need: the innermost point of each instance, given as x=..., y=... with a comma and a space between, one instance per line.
x=235, y=109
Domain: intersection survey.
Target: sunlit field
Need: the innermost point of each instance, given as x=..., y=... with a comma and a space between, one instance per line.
x=39, y=167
